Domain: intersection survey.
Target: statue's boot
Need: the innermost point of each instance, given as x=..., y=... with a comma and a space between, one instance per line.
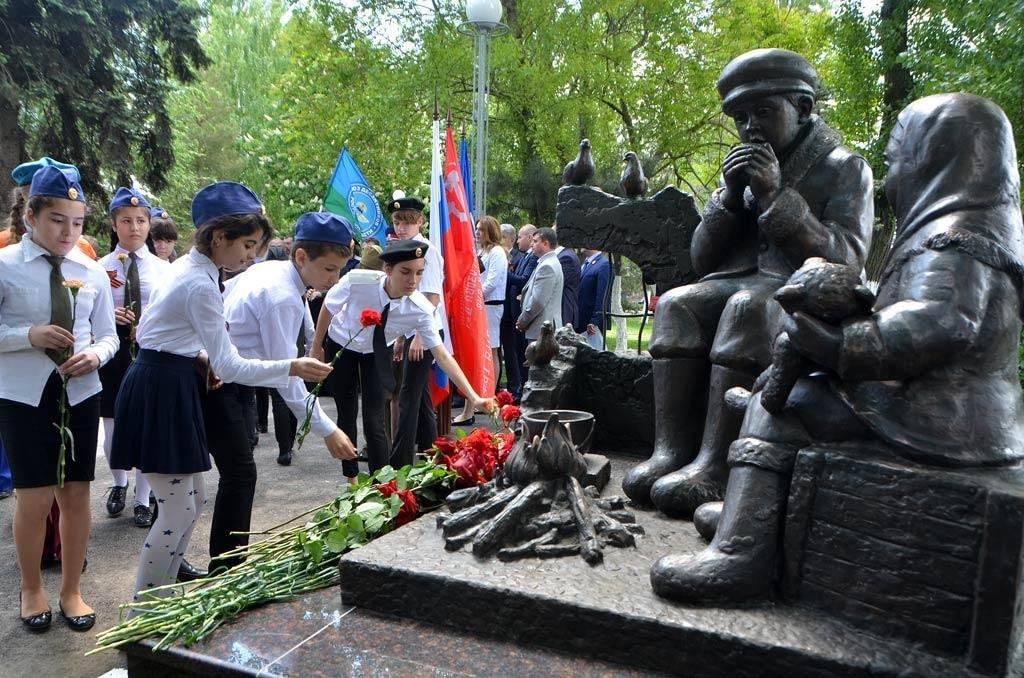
x=739, y=563
x=678, y=413
x=679, y=493
x=705, y=519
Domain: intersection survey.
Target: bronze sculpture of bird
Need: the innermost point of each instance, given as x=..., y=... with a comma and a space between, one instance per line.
x=633, y=182
x=541, y=351
x=579, y=171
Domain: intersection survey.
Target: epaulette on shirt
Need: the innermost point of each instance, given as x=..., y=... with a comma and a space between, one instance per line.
x=365, y=276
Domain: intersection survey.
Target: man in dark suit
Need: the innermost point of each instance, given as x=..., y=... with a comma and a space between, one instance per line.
x=519, y=272
x=594, y=299
x=571, y=284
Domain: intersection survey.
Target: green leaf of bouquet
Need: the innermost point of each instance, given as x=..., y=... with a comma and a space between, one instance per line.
x=385, y=475
x=337, y=539
x=402, y=478
x=369, y=507
x=362, y=493
x=355, y=523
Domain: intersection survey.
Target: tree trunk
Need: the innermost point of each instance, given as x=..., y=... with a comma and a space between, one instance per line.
x=898, y=85
x=12, y=149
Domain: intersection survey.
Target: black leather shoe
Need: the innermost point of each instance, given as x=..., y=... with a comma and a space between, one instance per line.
x=188, y=572
x=36, y=623
x=285, y=458
x=115, y=500
x=465, y=422
x=143, y=516
x=82, y=622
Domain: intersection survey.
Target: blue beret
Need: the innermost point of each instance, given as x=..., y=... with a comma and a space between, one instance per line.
x=159, y=213
x=57, y=183
x=222, y=199
x=323, y=227
x=127, y=197
x=23, y=173
x=404, y=250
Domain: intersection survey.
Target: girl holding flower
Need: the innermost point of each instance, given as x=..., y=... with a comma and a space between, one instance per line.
x=159, y=425
x=133, y=271
x=52, y=342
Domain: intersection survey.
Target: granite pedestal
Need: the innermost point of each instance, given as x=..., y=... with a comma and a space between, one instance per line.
x=609, y=612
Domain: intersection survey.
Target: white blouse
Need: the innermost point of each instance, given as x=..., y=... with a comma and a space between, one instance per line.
x=495, y=273
x=363, y=289
x=25, y=302
x=185, y=315
x=151, y=269
x=265, y=309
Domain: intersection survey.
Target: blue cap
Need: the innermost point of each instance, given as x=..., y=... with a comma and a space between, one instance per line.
x=57, y=183
x=159, y=213
x=127, y=197
x=324, y=227
x=23, y=173
x=222, y=199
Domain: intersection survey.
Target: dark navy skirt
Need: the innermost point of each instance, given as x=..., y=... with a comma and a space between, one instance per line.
x=112, y=374
x=32, y=444
x=158, y=418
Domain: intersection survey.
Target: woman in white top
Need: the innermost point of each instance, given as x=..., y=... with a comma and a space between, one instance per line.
x=50, y=336
x=159, y=426
x=494, y=260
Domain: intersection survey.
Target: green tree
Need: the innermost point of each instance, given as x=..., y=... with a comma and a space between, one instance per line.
x=87, y=81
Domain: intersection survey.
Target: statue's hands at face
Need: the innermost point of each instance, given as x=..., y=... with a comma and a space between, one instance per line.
x=764, y=173
x=734, y=172
x=814, y=339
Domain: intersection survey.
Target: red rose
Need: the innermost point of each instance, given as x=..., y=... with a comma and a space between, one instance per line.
x=504, y=398
x=445, y=446
x=410, y=507
x=510, y=413
x=369, y=318
x=388, y=488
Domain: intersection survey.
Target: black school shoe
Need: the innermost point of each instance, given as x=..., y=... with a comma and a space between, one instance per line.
x=115, y=500
x=285, y=458
x=143, y=516
x=188, y=572
x=81, y=622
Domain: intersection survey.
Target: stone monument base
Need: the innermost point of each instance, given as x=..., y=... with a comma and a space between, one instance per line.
x=609, y=611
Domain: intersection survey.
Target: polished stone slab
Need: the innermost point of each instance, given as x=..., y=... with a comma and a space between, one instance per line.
x=609, y=611
x=317, y=635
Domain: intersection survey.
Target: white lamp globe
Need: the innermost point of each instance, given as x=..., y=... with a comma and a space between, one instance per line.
x=483, y=11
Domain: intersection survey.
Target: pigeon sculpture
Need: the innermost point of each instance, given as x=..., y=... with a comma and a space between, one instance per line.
x=633, y=181
x=579, y=171
x=540, y=352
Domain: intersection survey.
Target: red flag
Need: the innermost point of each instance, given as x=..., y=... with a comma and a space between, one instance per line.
x=463, y=292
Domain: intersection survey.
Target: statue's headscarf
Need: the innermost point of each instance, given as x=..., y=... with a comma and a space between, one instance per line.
x=953, y=154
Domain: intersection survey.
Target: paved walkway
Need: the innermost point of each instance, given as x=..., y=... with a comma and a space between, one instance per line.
x=281, y=492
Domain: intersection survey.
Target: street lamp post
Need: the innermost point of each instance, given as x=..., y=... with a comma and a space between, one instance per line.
x=483, y=23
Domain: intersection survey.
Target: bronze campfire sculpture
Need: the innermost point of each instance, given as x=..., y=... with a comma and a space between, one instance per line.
x=931, y=375
x=537, y=507
x=791, y=191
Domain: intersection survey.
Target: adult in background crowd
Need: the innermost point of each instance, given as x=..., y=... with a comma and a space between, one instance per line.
x=595, y=281
x=508, y=319
x=542, y=297
x=571, y=286
x=519, y=273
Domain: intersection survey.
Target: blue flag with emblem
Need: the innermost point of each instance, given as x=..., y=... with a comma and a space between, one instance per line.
x=350, y=196
x=467, y=173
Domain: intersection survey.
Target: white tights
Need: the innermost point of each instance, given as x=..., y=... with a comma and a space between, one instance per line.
x=121, y=476
x=180, y=499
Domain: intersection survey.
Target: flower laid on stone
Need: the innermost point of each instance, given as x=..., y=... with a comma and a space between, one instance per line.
x=504, y=397
x=293, y=558
x=63, y=424
x=368, y=318
x=474, y=457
